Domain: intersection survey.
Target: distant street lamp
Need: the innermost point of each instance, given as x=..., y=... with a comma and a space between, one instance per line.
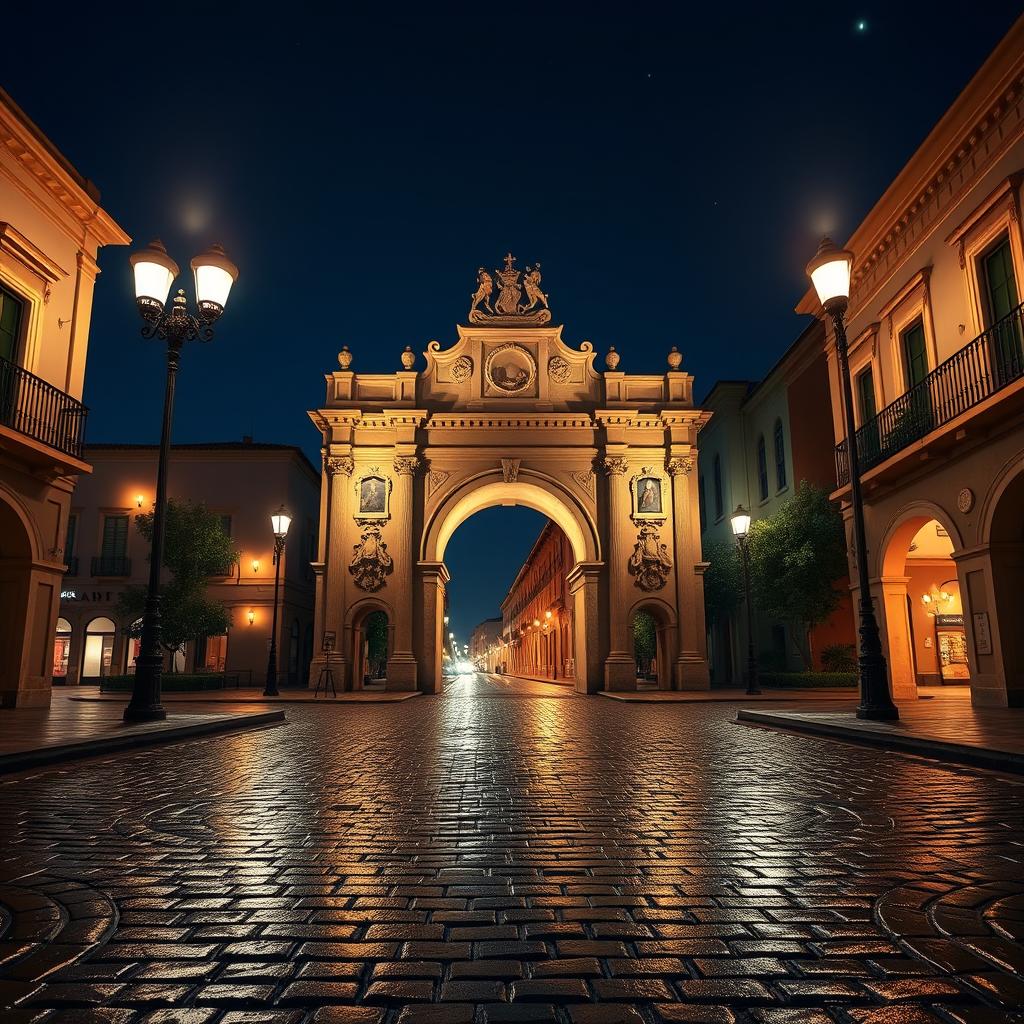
x=830, y=273
x=740, y=522
x=154, y=273
x=279, y=522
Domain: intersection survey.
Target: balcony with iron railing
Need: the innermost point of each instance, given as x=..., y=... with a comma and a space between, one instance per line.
x=111, y=565
x=981, y=369
x=36, y=409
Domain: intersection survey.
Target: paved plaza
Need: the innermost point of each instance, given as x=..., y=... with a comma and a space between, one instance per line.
x=505, y=854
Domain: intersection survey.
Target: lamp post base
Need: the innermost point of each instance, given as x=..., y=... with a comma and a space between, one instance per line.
x=145, y=705
x=149, y=713
x=879, y=714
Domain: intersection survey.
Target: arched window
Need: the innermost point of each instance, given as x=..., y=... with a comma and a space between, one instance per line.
x=61, y=650
x=99, y=648
x=762, y=468
x=780, y=457
x=719, y=501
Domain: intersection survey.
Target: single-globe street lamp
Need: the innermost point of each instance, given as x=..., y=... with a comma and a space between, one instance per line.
x=154, y=273
x=830, y=274
x=279, y=522
x=740, y=522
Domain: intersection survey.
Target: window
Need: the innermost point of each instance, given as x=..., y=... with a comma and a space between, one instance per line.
x=1001, y=297
x=915, y=357
x=719, y=504
x=61, y=650
x=701, y=503
x=115, y=537
x=69, y=542
x=225, y=524
x=11, y=310
x=866, y=395
x=762, y=468
x=780, y=457
x=99, y=648
x=215, y=653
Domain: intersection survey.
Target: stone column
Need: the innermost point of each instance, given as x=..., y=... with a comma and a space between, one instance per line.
x=620, y=665
x=691, y=667
x=894, y=625
x=402, y=663
x=583, y=582
x=433, y=579
x=336, y=578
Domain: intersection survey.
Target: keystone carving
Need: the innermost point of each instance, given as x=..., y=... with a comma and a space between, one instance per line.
x=649, y=564
x=371, y=563
x=510, y=470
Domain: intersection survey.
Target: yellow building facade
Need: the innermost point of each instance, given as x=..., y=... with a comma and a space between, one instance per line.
x=51, y=229
x=509, y=414
x=935, y=330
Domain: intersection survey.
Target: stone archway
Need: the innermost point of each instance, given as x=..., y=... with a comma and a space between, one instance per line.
x=908, y=624
x=510, y=414
x=544, y=495
x=665, y=636
x=15, y=599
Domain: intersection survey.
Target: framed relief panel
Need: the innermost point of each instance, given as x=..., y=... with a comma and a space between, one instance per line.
x=373, y=496
x=650, y=494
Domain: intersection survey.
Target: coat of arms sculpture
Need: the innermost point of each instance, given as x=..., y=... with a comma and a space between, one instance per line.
x=507, y=310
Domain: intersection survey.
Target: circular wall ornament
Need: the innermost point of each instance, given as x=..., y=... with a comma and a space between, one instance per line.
x=510, y=369
x=965, y=500
x=462, y=369
x=559, y=370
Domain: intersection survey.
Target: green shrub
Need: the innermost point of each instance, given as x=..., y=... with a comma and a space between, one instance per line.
x=807, y=680
x=839, y=658
x=170, y=683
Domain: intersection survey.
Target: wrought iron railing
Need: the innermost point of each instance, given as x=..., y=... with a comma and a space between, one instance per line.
x=994, y=360
x=105, y=565
x=38, y=410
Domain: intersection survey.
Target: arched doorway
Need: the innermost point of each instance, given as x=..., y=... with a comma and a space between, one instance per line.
x=924, y=612
x=15, y=594
x=546, y=496
x=98, y=650
x=372, y=633
x=653, y=631
x=61, y=652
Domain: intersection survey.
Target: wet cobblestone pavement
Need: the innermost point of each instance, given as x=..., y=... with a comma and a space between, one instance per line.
x=493, y=858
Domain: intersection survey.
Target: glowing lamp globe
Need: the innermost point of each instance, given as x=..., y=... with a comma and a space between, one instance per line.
x=830, y=272
x=214, y=275
x=154, y=272
x=280, y=521
x=740, y=522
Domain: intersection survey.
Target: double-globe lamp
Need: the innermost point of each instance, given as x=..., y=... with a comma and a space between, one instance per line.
x=740, y=522
x=154, y=272
x=279, y=523
x=830, y=273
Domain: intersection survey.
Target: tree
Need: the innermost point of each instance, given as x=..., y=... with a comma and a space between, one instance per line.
x=796, y=557
x=645, y=642
x=196, y=547
x=723, y=580
x=377, y=643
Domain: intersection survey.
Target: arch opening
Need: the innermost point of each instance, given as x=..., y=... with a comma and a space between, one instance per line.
x=652, y=628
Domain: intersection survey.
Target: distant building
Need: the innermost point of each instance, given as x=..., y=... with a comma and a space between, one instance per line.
x=936, y=341
x=764, y=438
x=484, y=644
x=51, y=230
x=537, y=614
x=241, y=481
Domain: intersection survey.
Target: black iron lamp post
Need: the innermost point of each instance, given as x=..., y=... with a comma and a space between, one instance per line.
x=154, y=272
x=740, y=522
x=830, y=273
x=279, y=521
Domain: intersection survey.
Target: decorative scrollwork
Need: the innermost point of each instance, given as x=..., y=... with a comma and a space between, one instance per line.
x=680, y=466
x=343, y=464
x=585, y=480
x=436, y=479
x=371, y=564
x=507, y=308
x=614, y=465
x=461, y=369
x=406, y=465
x=649, y=565
x=559, y=370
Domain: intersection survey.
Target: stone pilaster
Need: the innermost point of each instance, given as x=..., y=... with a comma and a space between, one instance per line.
x=691, y=668
x=433, y=580
x=402, y=667
x=335, y=586
x=583, y=583
x=620, y=665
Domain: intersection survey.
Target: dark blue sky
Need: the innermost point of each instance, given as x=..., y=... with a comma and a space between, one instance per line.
x=672, y=169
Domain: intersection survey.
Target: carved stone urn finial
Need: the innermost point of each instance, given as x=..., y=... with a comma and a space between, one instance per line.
x=344, y=357
x=612, y=359
x=675, y=359
x=408, y=357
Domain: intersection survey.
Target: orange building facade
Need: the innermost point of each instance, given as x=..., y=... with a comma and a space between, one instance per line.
x=536, y=616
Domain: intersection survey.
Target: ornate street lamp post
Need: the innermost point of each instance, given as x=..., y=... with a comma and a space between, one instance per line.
x=154, y=272
x=279, y=522
x=830, y=273
x=740, y=522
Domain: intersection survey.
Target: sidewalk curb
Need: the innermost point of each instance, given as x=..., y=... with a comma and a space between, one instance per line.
x=677, y=697
x=924, y=746
x=28, y=759
x=186, y=697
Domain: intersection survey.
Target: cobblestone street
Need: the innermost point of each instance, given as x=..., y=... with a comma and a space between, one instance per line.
x=500, y=857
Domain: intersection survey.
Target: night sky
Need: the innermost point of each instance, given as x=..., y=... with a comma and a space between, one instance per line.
x=673, y=171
